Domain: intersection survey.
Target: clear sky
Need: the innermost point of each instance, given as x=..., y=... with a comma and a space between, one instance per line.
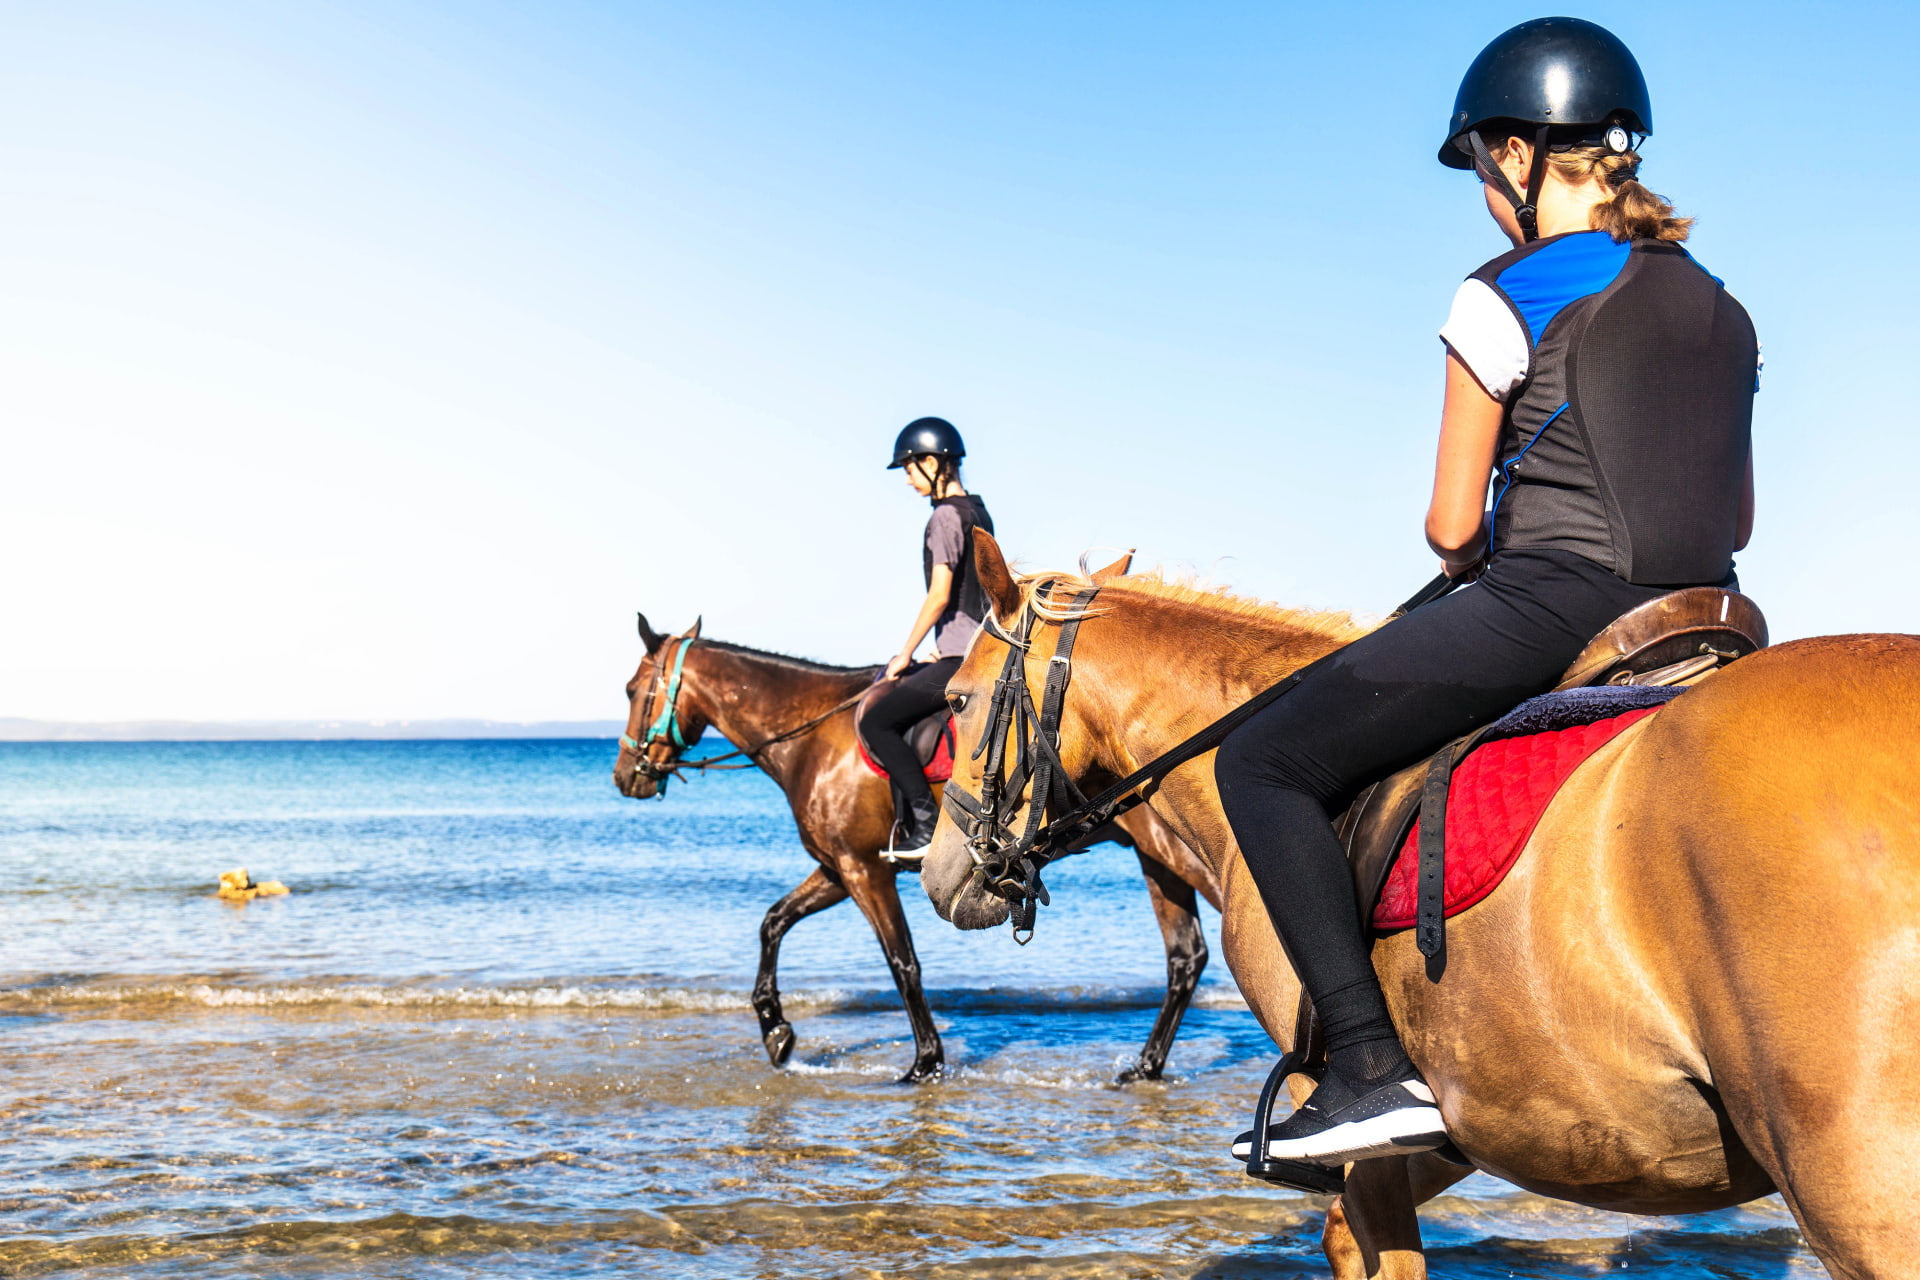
x=380, y=359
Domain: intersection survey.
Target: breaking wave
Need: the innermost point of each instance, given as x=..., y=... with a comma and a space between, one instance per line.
x=642, y=997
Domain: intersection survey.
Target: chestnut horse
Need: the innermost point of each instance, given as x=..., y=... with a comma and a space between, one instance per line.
x=1699, y=984
x=845, y=814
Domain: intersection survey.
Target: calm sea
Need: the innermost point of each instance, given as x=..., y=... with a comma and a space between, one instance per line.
x=500, y=1028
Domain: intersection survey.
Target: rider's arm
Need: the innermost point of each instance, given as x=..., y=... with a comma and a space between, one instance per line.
x=1743, y=531
x=938, y=593
x=1469, y=431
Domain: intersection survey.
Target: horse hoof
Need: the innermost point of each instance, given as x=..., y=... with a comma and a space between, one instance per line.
x=921, y=1072
x=779, y=1042
x=1136, y=1072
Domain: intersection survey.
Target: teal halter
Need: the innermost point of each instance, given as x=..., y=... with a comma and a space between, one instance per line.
x=666, y=726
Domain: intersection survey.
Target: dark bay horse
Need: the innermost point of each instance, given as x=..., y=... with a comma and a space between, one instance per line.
x=1700, y=984
x=845, y=814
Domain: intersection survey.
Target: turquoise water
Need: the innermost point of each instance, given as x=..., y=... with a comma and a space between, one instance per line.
x=500, y=1028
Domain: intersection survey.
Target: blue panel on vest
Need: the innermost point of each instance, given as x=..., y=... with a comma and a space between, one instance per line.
x=1543, y=283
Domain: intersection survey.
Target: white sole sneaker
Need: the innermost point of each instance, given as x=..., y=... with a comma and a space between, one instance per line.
x=1396, y=1120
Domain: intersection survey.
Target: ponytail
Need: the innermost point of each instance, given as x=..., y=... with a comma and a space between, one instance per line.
x=1633, y=212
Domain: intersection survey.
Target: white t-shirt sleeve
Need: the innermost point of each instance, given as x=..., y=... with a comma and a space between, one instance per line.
x=1483, y=331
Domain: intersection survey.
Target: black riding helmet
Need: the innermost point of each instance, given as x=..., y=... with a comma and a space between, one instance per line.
x=1574, y=82
x=936, y=436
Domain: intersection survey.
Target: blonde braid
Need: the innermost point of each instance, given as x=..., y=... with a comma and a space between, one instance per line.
x=1634, y=212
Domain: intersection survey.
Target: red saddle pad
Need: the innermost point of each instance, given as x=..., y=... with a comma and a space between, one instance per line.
x=1498, y=794
x=938, y=769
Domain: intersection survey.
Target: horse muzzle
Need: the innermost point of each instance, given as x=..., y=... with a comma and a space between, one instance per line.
x=639, y=778
x=961, y=897
x=974, y=906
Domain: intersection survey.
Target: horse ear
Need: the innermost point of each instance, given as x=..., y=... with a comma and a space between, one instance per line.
x=647, y=636
x=694, y=631
x=991, y=565
x=1118, y=569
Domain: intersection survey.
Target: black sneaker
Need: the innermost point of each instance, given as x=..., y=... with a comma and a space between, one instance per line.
x=915, y=830
x=1392, y=1120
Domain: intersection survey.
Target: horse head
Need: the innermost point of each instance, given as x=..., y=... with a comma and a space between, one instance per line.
x=959, y=872
x=664, y=716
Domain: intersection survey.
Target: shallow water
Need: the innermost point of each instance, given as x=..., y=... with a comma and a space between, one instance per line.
x=501, y=1029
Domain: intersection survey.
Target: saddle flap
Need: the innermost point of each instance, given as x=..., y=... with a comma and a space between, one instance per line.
x=925, y=737
x=1374, y=827
x=1668, y=631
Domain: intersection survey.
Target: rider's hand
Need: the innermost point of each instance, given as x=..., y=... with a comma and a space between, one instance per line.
x=1464, y=572
x=897, y=663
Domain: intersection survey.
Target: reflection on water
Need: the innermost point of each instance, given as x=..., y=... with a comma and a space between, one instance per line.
x=502, y=1031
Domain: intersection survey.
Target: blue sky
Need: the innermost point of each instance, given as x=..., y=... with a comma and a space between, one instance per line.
x=379, y=360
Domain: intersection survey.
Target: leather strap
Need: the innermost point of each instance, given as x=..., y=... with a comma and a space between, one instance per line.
x=1430, y=931
x=668, y=725
x=1526, y=211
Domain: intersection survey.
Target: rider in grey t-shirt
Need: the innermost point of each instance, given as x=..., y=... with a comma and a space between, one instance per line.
x=929, y=451
x=949, y=544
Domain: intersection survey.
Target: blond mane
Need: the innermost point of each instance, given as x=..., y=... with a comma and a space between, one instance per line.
x=1334, y=624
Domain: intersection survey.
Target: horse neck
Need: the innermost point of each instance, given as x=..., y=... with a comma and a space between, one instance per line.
x=749, y=698
x=1144, y=687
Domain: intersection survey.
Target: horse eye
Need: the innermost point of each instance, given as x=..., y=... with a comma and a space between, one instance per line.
x=957, y=702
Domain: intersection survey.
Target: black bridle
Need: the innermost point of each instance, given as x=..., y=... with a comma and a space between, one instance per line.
x=1010, y=865
x=1007, y=864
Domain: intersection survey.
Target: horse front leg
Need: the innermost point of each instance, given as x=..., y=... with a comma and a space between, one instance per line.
x=1372, y=1231
x=816, y=893
x=1178, y=914
x=875, y=893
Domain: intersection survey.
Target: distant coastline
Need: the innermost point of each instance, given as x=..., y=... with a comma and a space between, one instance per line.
x=15, y=729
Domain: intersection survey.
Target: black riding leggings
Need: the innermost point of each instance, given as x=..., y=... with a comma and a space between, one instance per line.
x=914, y=696
x=1387, y=700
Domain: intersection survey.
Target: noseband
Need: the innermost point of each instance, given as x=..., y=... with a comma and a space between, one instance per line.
x=666, y=727
x=1006, y=864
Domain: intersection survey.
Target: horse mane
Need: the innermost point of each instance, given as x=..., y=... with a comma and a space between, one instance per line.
x=786, y=661
x=1333, y=624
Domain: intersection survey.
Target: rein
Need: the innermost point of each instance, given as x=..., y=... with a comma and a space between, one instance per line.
x=713, y=762
x=1010, y=866
x=666, y=727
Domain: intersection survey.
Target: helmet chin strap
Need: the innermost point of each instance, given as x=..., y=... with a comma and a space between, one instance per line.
x=1525, y=211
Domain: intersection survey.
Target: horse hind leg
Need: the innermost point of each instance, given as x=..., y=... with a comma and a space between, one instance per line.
x=1852, y=1187
x=816, y=893
x=1177, y=912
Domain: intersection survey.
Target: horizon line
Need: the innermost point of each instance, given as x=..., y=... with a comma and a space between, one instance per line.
x=317, y=729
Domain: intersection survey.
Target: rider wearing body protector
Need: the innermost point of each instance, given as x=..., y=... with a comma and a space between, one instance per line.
x=1594, y=453
x=929, y=451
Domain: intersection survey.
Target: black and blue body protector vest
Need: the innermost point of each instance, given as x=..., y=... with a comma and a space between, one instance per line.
x=1628, y=441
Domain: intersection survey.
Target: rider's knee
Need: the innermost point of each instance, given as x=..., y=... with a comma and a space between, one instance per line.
x=1250, y=763
x=1238, y=764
